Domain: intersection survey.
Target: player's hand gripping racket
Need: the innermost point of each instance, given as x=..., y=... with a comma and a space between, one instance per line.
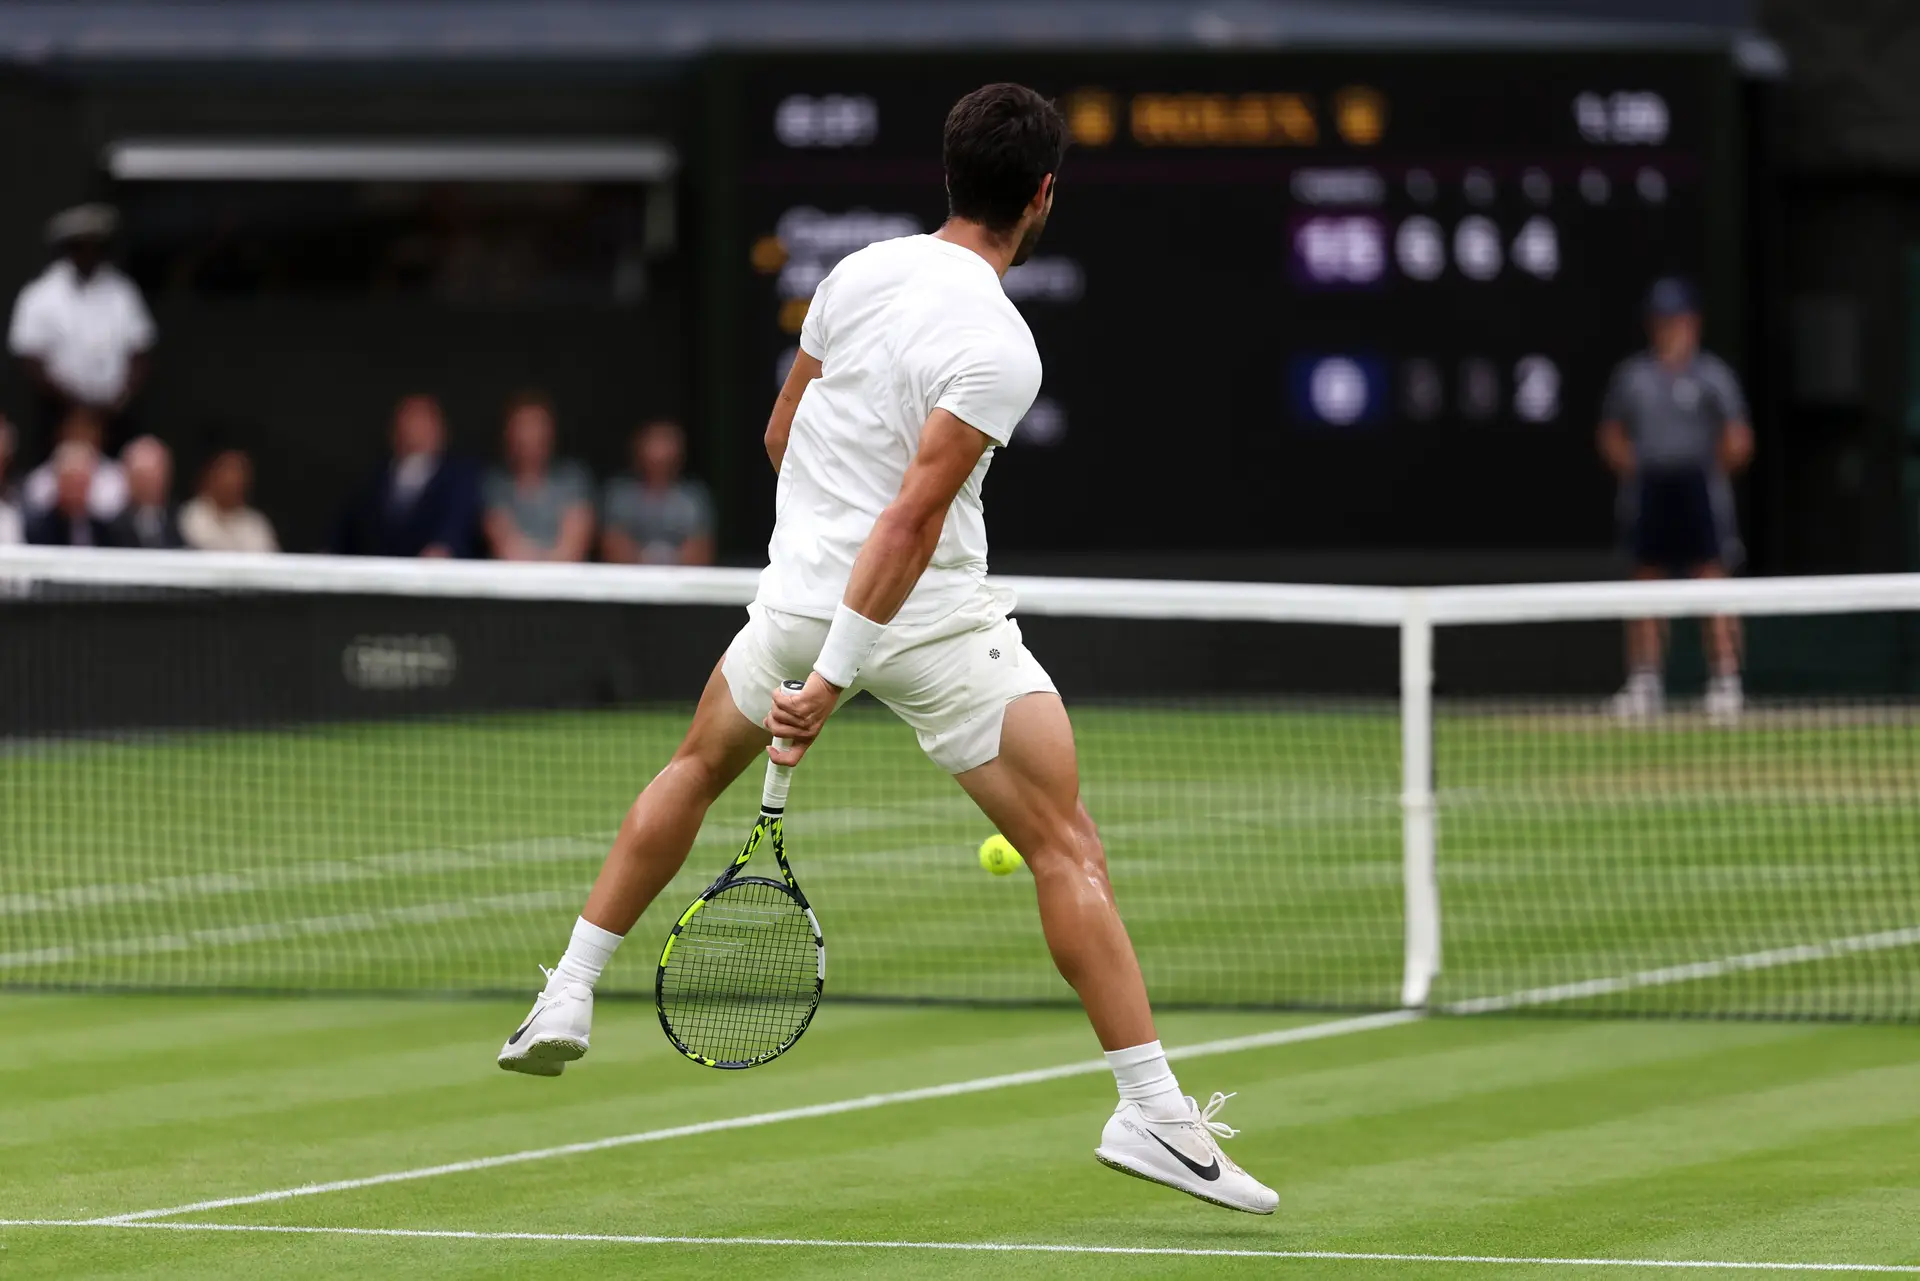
x=742, y=971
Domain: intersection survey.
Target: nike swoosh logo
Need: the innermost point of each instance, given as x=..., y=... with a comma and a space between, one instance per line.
x=1210, y=1171
x=515, y=1040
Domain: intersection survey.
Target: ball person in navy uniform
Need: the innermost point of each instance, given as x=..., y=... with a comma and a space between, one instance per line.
x=1675, y=429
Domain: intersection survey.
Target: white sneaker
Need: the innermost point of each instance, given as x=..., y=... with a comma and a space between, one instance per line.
x=1641, y=698
x=555, y=1033
x=1184, y=1154
x=1725, y=700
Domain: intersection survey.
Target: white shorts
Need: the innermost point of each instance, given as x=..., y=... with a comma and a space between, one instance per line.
x=951, y=680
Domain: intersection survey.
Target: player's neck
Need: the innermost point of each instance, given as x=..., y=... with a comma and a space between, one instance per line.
x=997, y=250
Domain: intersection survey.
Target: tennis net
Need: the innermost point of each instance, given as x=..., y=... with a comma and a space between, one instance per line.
x=311, y=774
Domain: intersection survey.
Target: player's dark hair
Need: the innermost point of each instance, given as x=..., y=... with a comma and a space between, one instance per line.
x=1000, y=141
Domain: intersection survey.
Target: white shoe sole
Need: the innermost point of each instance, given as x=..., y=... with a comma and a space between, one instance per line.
x=543, y=1056
x=1126, y=1165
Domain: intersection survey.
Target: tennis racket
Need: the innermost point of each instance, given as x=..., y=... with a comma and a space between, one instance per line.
x=741, y=974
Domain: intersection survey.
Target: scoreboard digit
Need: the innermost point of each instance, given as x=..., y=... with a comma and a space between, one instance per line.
x=1285, y=301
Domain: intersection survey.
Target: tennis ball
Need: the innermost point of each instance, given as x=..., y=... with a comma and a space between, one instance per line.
x=999, y=857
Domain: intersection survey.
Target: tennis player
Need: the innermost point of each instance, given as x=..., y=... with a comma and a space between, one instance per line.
x=913, y=367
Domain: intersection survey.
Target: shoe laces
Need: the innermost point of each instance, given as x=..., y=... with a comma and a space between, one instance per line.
x=1220, y=1129
x=556, y=983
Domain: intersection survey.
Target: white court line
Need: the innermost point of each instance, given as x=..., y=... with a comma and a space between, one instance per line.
x=977, y=1247
x=1285, y=1036
x=1766, y=960
x=1086, y=1067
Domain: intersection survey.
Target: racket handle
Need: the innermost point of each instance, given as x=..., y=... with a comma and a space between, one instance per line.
x=773, y=794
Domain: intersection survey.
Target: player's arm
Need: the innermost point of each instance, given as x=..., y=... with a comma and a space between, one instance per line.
x=896, y=553
x=780, y=423
x=1736, y=428
x=1616, y=447
x=1736, y=445
x=891, y=561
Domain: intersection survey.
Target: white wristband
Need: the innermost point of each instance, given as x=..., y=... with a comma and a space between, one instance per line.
x=849, y=643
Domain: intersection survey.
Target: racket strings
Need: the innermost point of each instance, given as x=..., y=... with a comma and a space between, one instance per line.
x=744, y=975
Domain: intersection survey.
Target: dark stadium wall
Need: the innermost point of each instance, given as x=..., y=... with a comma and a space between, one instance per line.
x=307, y=381
x=1850, y=183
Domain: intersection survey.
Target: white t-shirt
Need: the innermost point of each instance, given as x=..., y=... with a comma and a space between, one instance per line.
x=87, y=331
x=901, y=328
x=206, y=528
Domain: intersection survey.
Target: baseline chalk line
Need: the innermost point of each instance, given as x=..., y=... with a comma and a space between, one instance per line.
x=866, y=1102
x=981, y=1247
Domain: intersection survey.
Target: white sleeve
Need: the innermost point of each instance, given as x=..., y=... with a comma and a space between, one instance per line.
x=813, y=330
x=140, y=331
x=31, y=333
x=990, y=383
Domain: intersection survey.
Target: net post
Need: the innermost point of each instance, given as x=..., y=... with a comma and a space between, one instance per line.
x=1416, y=801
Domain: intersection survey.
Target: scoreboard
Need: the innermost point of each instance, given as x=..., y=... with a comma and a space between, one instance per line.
x=1294, y=301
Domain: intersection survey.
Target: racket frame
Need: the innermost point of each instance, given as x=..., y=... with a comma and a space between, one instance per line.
x=768, y=829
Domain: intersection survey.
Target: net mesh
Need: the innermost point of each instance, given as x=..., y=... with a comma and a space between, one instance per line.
x=1601, y=855
x=324, y=790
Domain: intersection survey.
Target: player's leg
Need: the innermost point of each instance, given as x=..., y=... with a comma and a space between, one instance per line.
x=1720, y=635
x=664, y=819
x=1644, y=693
x=1031, y=793
x=649, y=849
x=1717, y=551
x=659, y=830
x=987, y=712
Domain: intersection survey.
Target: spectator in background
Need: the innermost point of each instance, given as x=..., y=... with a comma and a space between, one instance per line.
x=655, y=516
x=218, y=519
x=537, y=509
x=425, y=502
x=80, y=427
x=70, y=522
x=13, y=527
x=147, y=521
x=80, y=329
x=1673, y=429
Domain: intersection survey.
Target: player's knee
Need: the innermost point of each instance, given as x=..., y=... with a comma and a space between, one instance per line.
x=1070, y=848
x=702, y=771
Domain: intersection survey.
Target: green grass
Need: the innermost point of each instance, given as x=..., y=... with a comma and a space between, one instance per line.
x=1760, y=1142
x=1256, y=852
x=1256, y=849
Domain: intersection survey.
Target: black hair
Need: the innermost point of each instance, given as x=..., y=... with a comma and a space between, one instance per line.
x=1000, y=141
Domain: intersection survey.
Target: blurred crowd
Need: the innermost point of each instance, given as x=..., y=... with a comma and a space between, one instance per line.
x=428, y=500
x=83, y=339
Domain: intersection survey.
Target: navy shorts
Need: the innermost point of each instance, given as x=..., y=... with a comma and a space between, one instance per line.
x=1679, y=521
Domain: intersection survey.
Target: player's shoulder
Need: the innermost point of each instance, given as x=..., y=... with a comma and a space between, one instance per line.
x=878, y=258
x=119, y=282
x=1711, y=366
x=45, y=285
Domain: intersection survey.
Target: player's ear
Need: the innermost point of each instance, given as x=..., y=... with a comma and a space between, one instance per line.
x=1042, y=201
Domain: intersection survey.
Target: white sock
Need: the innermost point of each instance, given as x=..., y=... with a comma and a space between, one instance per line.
x=588, y=953
x=1143, y=1076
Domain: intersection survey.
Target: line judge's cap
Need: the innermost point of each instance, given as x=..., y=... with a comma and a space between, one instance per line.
x=82, y=222
x=1673, y=296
